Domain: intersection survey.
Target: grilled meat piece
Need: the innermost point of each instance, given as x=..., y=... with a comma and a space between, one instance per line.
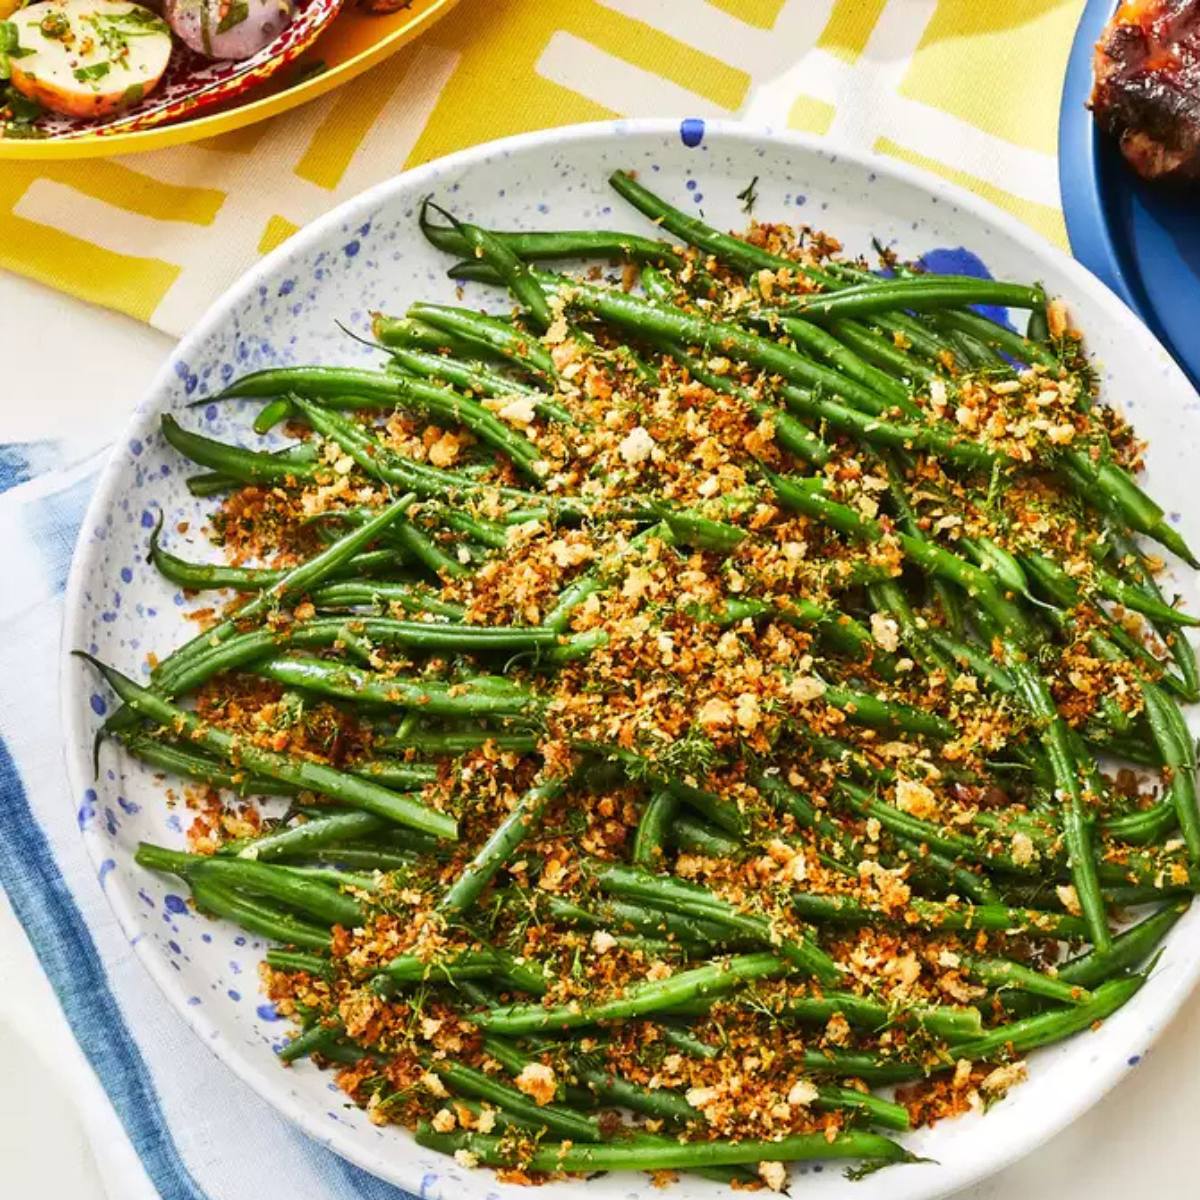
x=1147, y=86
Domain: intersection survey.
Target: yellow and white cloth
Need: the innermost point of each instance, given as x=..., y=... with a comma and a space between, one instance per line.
x=966, y=88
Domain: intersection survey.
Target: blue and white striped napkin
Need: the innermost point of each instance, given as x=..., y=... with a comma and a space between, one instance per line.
x=168, y=1119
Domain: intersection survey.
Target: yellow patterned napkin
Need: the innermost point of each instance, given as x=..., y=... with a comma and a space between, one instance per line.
x=968, y=89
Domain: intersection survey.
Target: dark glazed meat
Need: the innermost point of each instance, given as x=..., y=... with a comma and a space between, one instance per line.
x=1147, y=86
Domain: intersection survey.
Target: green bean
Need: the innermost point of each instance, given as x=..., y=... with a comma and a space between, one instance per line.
x=556, y=1118
x=271, y=414
x=861, y=708
x=406, y=333
x=639, y=999
x=1038, y=328
x=1109, y=489
x=664, y=891
x=471, y=377
x=1076, y=821
x=952, y=1024
x=432, y=697
x=789, y=433
x=572, y=243
x=244, y=466
x=690, y=529
x=500, y=847
x=316, y=777
x=590, y=582
x=512, y=271
x=862, y=425
x=814, y=340
x=470, y=964
x=393, y=773
x=806, y=497
x=356, y=880
x=297, y=960
x=201, y=576
x=256, y=916
x=463, y=741
x=355, y=387
x=882, y=352
x=1019, y=1037
x=362, y=857
x=621, y=915
x=211, y=483
x=297, y=581
x=313, y=834
x=733, y=250
x=995, y=337
x=263, y=644
x=837, y=630
x=650, y=840
x=687, y=1042
x=923, y=294
x=1133, y=562
x=1178, y=749
x=998, y=973
x=1129, y=949
x=361, y=593
x=276, y=883
x=697, y=837
x=915, y=335
x=921, y=831
x=889, y=597
x=877, y=1111
x=490, y=333
x=643, y=1155
x=714, y=808
x=314, y=1040
x=184, y=761
x=673, y=324
x=946, y=917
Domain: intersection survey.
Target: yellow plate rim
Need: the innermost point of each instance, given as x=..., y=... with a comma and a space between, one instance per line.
x=34, y=149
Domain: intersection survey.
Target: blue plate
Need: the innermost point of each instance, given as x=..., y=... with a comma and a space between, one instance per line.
x=1142, y=239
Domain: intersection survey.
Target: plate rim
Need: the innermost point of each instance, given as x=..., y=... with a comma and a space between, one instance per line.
x=160, y=137
x=1173, y=990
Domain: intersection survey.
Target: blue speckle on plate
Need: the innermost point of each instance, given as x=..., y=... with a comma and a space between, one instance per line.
x=175, y=904
x=691, y=131
x=352, y=248
x=1135, y=1059
x=87, y=810
x=267, y=1012
x=98, y=705
x=234, y=995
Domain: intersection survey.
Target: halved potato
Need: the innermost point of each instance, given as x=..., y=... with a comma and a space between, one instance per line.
x=89, y=58
x=228, y=28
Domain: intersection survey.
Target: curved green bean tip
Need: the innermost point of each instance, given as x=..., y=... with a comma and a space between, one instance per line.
x=439, y=236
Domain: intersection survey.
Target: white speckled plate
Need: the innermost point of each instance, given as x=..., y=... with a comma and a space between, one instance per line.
x=368, y=254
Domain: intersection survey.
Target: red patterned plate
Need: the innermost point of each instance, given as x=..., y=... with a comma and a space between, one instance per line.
x=193, y=83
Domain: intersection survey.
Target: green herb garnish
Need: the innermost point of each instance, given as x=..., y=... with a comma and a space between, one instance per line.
x=235, y=14
x=92, y=73
x=748, y=196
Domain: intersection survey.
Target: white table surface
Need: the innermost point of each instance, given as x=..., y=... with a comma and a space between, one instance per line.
x=1135, y=1143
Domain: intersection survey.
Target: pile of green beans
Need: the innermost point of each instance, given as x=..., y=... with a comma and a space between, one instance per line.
x=840, y=373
